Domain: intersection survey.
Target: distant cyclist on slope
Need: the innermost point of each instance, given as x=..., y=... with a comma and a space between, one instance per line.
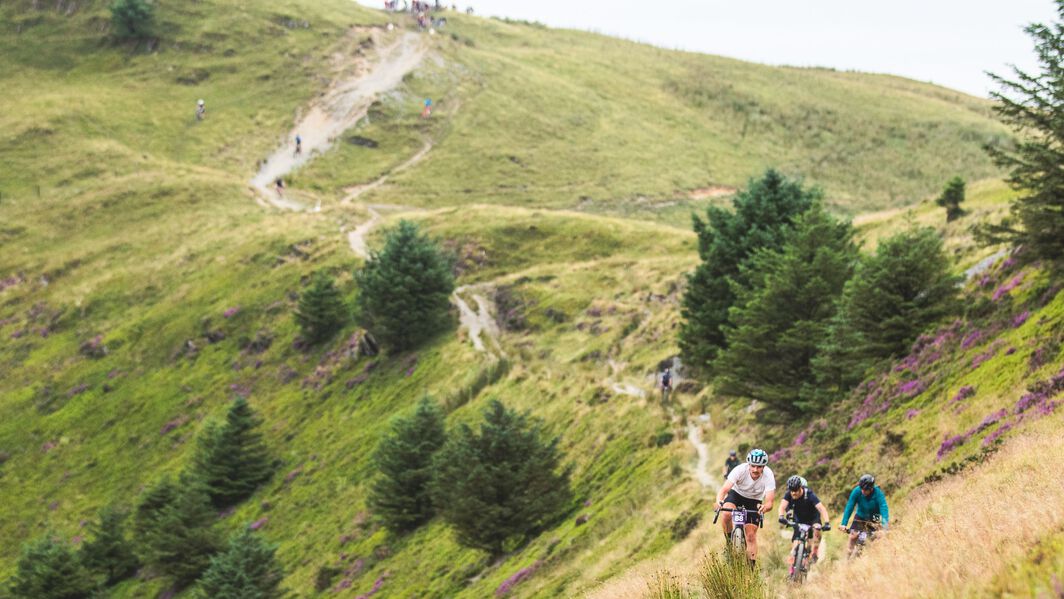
x=871, y=505
x=730, y=463
x=753, y=487
x=807, y=508
x=666, y=385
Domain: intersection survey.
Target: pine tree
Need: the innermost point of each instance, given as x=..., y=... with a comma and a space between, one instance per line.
x=109, y=553
x=149, y=510
x=404, y=289
x=322, y=311
x=500, y=485
x=178, y=536
x=247, y=569
x=231, y=458
x=726, y=240
x=49, y=569
x=782, y=317
x=400, y=494
x=893, y=296
x=1033, y=105
x=951, y=199
x=132, y=18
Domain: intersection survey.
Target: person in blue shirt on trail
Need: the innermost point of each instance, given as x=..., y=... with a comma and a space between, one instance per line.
x=870, y=503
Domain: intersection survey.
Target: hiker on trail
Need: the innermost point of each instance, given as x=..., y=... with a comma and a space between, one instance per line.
x=666, y=385
x=299, y=145
x=730, y=463
x=425, y=112
x=280, y=186
x=201, y=110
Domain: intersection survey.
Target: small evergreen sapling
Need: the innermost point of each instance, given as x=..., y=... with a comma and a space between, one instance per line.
x=231, y=458
x=109, y=553
x=177, y=523
x=247, y=569
x=951, y=199
x=322, y=311
x=49, y=569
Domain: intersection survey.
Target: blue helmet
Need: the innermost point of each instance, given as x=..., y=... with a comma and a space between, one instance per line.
x=757, y=457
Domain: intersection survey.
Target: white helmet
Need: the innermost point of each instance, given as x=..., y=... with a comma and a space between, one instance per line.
x=200, y=103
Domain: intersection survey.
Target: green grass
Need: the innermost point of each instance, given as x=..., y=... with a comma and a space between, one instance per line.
x=144, y=233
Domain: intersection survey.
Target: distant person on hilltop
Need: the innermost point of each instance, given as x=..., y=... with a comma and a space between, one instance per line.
x=299, y=144
x=730, y=463
x=280, y=186
x=427, y=111
x=201, y=110
x=666, y=385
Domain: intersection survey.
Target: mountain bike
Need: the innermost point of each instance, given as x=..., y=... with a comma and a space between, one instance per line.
x=801, y=552
x=865, y=536
x=740, y=518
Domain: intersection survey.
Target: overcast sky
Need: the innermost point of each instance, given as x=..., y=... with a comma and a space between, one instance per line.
x=949, y=42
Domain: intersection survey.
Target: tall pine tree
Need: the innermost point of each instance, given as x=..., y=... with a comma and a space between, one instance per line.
x=726, y=240
x=322, y=311
x=779, y=321
x=109, y=552
x=951, y=199
x=400, y=494
x=404, y=289
x=49, y=569
x=1033, y=105
x=247, y=569
x=231, y=458
x=893, y=296
x=176, y=522
x=500, y=485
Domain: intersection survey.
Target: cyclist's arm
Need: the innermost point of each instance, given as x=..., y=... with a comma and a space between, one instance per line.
x=849, y=506
x=770, y=496
x=783, y=507
x=823, y=512
x=884, y=513
x=724, y=491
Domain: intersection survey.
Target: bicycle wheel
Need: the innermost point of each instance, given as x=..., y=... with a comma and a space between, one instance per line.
x=798, y=571
x=738, y=542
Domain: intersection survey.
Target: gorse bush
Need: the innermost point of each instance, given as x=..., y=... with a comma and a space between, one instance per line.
x=400, y=494
x=501, y=484
x=132, y=18
x=231, y=458
x=726, y=241
x=404, y=289
x=322, y=311
x=50, y=569
x=247, y=569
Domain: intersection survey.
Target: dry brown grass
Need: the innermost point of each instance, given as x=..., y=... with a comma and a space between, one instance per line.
x=953, y=537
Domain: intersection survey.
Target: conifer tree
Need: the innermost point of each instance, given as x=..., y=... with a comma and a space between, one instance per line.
x=231, y=458
x=178, y=536
x=49, y=569
x=1033, y=105
x=951, y=199
x=404, y=289
x=247, y=569
x=109, y=553
x=893, y=296
x=132, y=18
x=400, y=494
x=501, y=484
x=322, y=311
x=782, y=317
x=726, y=240
x=149, y=510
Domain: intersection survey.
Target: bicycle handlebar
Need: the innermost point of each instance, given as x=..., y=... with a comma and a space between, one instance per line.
x=760, y=516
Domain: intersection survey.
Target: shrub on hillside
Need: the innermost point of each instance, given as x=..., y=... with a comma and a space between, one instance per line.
x=109, y=553
x=173, y=524
x=1033, y=105
x=729, y=576
x=322, y=311
x=726, y=241
x=951, y=199
x=893, y=296
x=231, y=458
x=49, y=569
x=132, y=18
x=246, y=569
x=404, y=289
x=400, y=494
x=501, y=484
x=782, y=317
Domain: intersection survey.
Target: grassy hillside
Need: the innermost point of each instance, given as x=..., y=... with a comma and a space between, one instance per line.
x=142, y=286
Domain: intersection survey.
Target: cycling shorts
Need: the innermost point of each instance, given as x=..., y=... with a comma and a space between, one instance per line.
x=864, y=526
x=743, y=502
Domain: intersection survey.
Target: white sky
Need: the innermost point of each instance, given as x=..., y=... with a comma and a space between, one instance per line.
x=948, y=42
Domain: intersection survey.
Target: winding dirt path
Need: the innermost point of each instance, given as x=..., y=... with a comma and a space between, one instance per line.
x=354, y=192
x=340, y=109
x=479, y=321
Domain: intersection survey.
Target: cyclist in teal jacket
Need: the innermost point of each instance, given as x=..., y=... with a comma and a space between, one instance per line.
x=871, y=505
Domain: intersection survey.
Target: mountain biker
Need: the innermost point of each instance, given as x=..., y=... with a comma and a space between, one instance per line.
x=870, y=503
x=808, y=509
x=751, y=486
x=730, y=463
x=201, y=110
x=666, y=384
x=299, y=144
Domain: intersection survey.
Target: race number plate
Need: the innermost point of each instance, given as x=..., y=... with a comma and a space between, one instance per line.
x=739, y=517
x=862, y=537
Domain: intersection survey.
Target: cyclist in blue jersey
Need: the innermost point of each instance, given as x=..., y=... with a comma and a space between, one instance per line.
x=871, y=506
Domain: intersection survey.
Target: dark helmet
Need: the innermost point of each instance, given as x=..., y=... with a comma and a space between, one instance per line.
x=732, y=453
x=867, y=481
x=794, y=482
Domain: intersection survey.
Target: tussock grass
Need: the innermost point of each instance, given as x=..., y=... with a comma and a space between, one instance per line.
x=728, y=576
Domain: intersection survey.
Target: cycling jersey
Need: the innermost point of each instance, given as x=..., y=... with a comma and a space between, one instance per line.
x=876, y=503
x=805, y=511
x=747, y=486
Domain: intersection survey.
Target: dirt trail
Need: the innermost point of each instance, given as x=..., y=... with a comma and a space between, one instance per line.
x=354, y=192
x=357, y=238
x=478, y=321
x=702, y=475
x=341, y=108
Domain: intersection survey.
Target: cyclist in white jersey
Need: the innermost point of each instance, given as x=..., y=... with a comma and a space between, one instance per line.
x=751, y=486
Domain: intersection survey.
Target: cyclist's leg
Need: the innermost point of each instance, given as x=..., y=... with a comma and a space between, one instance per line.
x=725, y=518
x=815, y=549
x=853, y=540
x=751, y=542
